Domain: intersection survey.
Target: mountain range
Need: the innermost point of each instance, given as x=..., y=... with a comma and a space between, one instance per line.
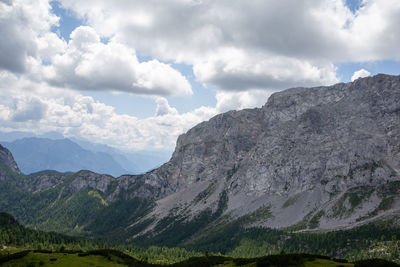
x=38, y=154
x=54, y=152
x=322, y=158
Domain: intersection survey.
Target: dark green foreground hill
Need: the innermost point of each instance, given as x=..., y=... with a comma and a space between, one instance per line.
x=54, y=252
x=116, y=258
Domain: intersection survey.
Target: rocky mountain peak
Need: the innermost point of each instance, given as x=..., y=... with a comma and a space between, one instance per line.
x=299, y=137
x=309, y=144
x=8, y=163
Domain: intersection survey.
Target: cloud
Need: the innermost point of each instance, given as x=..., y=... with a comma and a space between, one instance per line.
x=375, y=33
x=283, y=27
x=360, y=74
x=240, y=100
x=89, y=64
x=4, y=113
x=27, y=105
x=238, y=70
x=22, y=24
x=8, y=2
x=26, y=109
x=50, y=45
x=247, y=45
x=163, y=107
x=233, y=45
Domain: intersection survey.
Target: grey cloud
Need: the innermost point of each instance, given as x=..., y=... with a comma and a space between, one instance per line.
x=284, y=27
x=33, y=110
x=248, y=81
x=192, y=31
x=24, y=26
x=163, y=107
x=233, y=82
x=7, y=2
x=16, y=44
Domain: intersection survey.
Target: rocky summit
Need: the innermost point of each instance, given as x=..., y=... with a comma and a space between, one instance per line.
x=329, y=155
x=311, y=158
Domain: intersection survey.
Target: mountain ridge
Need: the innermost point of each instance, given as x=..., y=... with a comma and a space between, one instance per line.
x=8, y=162
x=299, y=111
x=35, y=153
x=63, y=155
x=310, y=158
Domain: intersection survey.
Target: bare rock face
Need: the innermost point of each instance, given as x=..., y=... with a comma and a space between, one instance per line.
x=305, y=148
x=41, y=181
x=301, y=138
x=210, y=150
x=331, y=137
x=8, y=163
x=85, y=179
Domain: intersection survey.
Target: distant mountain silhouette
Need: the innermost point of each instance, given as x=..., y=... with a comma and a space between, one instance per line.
x=36, y=154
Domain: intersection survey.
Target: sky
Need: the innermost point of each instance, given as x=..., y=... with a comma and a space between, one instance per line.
x=136, y=74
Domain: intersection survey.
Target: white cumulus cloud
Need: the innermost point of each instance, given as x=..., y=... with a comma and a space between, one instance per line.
x=238, y=70
x=233, y=45
x=360, y=74
x=23, y=25
x=27, y=105
x=89, y=64
x=227, y=100
x=163, y=107
x=251, y=45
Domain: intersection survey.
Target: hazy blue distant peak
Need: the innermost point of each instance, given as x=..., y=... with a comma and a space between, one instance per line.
x=140, y=161
x=52, y=135
x=34, y=154
x=15, y=135
x=131, y=161
x=11, y=136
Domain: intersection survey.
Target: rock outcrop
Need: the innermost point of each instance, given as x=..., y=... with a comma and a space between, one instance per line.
x=8, y=165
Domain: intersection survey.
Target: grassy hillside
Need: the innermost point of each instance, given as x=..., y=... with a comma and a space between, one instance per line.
x=116, y=258
x=82, y=213
x=16, y=238
x=20, y=246
x=377, y=240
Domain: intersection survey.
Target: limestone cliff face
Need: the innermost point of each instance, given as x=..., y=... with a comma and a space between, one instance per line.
x=300, y=138
x=8, y=163
x=308, y=146
x=211, y=149
x=327, y=136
